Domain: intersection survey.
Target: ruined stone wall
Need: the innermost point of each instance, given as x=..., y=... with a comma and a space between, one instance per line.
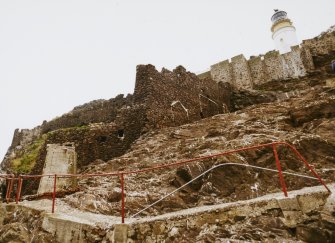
x=177, y=97
x=21, y=140
x=105, y=129
x=92, y=112
x=25, y=136
x=132, y=121
x=99, y=141
x=102, y=141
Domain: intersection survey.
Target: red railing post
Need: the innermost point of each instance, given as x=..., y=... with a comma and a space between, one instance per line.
x=308, y=165
x=122, y=197
x=7, y=190
x=19, y=187
x=10, y=178
x=281, y=178
x=54, y=194
x=11, y=182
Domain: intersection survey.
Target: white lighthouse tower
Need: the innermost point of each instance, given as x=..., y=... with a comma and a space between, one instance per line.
x=283, y=32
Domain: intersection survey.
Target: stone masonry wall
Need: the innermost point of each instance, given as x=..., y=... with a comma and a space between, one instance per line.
x=322, y=44
x=307, y=59
x=92, y=112
x=222, y=72
x=98, y=141
x=273, y=65
x=242, y=73
x=21, y=139
x=177, y=97
x=292, y=63
x=105, y=129
x=285, y=66
x=257, y=70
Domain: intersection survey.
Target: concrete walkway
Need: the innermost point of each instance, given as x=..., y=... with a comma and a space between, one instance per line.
x=70, y=225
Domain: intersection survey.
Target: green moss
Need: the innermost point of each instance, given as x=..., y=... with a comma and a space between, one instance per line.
x=26, y=162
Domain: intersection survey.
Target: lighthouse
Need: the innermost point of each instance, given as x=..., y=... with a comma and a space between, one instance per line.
x=283, y=32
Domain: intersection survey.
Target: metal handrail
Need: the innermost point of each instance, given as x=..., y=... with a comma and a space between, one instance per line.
x=10, y=180
x=210, y=169
x=122, y=174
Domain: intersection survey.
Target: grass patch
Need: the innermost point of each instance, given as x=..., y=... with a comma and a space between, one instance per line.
x=26, y=162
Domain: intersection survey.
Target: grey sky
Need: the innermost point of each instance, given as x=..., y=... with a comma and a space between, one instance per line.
x=58, y=54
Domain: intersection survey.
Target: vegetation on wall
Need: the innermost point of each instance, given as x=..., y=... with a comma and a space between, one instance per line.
x=26, y=162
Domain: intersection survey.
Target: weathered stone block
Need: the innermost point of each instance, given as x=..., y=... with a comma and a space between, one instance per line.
x=60, y=159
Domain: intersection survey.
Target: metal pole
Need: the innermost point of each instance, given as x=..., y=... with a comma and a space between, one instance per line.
x=11, y=187
x=54, y=194
x=8, y=186
x=122, y=197
x=281, y=178
x=309, y=167
x=19, y=187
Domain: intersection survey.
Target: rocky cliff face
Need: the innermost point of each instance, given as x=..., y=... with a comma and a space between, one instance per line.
x=302, y=115
x=298, y=111
x=173, y=116
x=304, y=119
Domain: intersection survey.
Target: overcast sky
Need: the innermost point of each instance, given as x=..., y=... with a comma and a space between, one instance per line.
x=58, y=54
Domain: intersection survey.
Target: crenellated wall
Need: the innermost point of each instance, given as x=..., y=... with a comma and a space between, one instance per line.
x=247, y=74
x=257, y=70
x=322, y=44
x=241, y=72
x=222, y=72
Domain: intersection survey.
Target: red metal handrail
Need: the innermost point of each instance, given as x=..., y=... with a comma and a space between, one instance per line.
x=6, y=175
x=9, y=181
x=121, y=174
x=212, y=168
x=281, y=178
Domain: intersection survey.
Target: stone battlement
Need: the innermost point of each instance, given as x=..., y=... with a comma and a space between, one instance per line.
x=247, y=74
